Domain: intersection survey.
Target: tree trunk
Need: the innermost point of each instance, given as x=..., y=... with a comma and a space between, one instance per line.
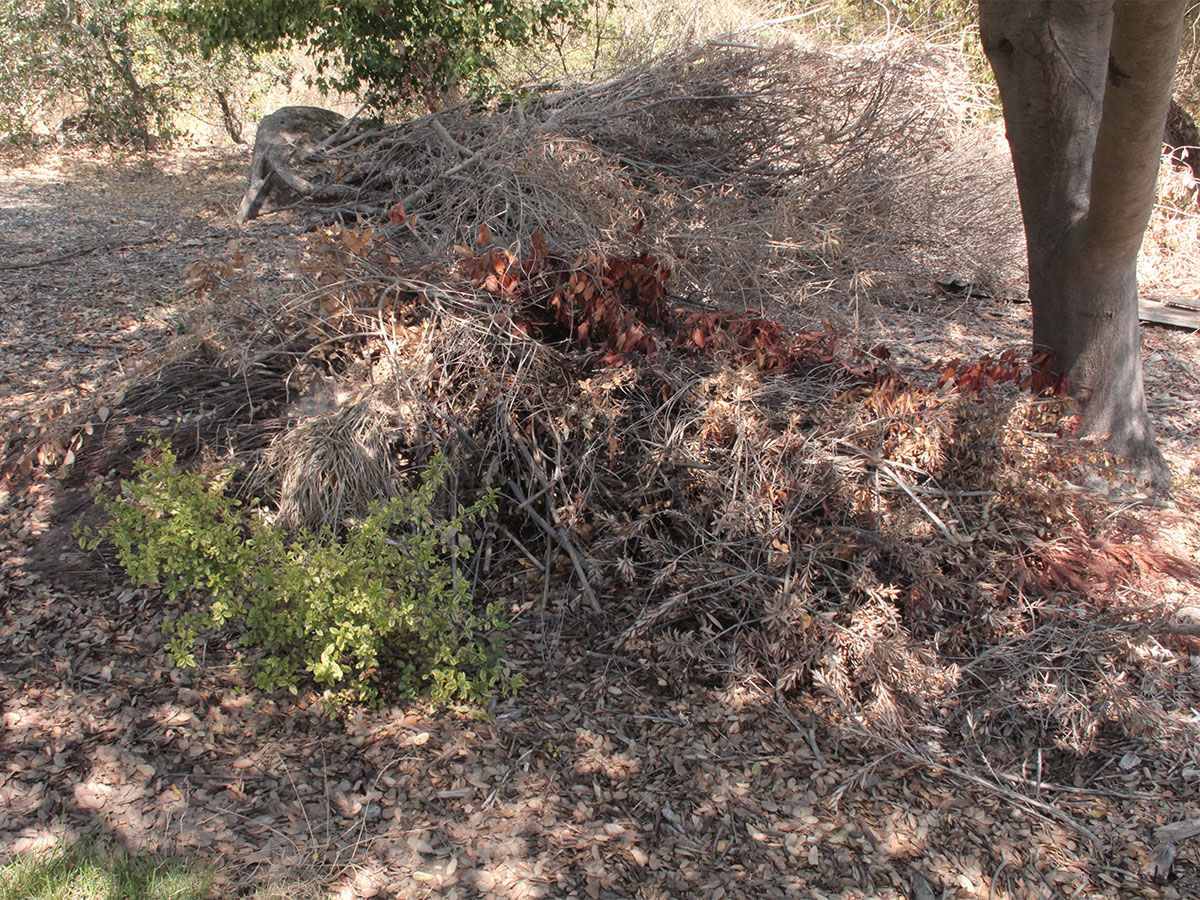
x=1085, y=88
x=137, y=119
x=233, y=124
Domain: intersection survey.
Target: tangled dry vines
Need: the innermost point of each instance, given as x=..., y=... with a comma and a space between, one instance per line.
x=731, y=161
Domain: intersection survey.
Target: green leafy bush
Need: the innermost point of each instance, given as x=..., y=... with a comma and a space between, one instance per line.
x=381, y=606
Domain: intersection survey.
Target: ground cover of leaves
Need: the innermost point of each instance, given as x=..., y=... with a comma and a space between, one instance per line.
x=608, y=776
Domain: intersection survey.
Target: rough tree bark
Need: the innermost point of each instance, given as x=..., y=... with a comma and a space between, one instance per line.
x=1085, y=88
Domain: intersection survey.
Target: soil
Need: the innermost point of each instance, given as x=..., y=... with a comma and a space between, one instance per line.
x=605, y=777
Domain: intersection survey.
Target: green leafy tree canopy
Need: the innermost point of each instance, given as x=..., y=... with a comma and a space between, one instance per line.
x=383, y=50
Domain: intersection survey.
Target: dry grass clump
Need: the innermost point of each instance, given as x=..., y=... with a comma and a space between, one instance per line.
x=769, y=176
x=1168, y=262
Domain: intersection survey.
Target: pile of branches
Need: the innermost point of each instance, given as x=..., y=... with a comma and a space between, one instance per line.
x=768, y=176
x=734, y=496
x=592, y=300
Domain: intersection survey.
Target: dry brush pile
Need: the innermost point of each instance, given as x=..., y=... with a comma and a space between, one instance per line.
x=605, y=300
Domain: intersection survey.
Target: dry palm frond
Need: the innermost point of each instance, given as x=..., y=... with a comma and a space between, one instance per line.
x=330, y=467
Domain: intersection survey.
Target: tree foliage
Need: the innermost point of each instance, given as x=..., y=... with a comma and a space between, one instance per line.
x=385, y=50
x=120, y=70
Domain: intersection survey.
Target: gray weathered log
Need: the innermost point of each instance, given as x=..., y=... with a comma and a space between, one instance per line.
x=1173, y=314
x=286, y=139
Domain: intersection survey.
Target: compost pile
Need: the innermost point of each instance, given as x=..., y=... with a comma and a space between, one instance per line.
x=625, y=305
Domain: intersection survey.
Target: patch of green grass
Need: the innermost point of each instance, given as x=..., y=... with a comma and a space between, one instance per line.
x=91, y=870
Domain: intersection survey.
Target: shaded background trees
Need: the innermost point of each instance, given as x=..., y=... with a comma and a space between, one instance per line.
x=130, y=71
x=119, y=72
x=124, y=72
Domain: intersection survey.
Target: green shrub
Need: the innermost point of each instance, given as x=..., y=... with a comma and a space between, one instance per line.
x=381, y=606
x=128, y=75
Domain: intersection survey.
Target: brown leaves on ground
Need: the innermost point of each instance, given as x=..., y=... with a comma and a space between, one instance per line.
x=603, y=779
